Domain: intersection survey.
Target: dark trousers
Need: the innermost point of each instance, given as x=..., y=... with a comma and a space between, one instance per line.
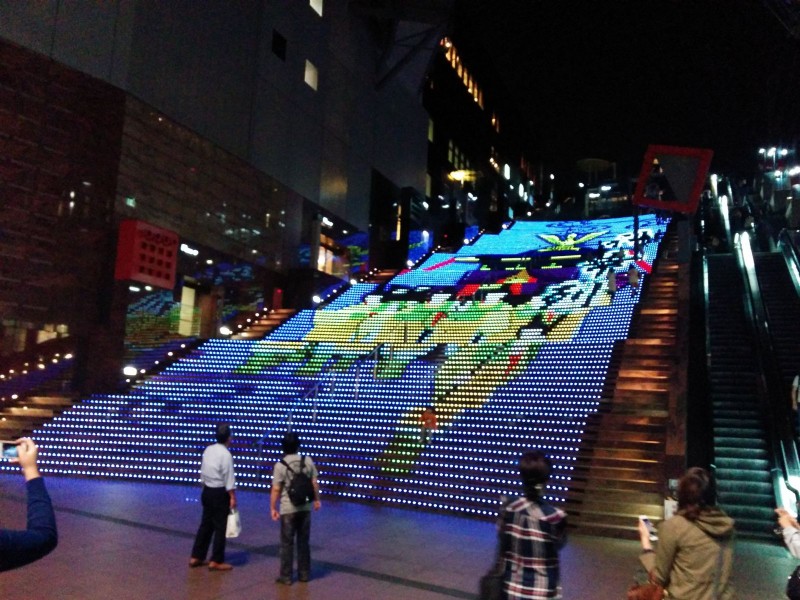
x=216, y=505
x=296, y=525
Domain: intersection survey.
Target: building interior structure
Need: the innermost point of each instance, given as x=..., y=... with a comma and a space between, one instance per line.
x=323, y=216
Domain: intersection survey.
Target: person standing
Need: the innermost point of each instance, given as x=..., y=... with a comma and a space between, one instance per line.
x=21, y=547
x=218, y=499
x=428, y=424
x=633, y=278
x=611, y=277
x=531, y=534
x=694, y=555
x=295, y=519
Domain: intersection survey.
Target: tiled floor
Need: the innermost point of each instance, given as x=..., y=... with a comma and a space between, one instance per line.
x=122, y=540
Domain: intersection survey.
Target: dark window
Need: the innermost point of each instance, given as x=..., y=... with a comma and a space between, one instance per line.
x=278, y=45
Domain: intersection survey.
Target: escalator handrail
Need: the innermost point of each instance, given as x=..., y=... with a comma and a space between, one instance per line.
x=770, y=384
x=787, y=244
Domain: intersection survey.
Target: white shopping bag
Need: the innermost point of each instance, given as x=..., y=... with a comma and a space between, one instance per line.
x=234, y=527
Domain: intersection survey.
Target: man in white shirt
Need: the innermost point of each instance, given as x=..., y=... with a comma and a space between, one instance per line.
x=218, y=499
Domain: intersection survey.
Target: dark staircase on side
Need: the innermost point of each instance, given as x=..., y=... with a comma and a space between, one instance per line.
x=741, y=454
x=622, y=455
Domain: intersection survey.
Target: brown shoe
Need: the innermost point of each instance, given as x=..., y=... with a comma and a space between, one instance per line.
x=196, y=562
x=215, y=566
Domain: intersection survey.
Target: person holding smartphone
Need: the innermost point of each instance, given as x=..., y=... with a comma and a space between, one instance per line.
x=21, y=547
x=694, y=556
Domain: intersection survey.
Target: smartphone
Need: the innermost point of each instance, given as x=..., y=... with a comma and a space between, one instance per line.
x=650, y=527
x=8, y=450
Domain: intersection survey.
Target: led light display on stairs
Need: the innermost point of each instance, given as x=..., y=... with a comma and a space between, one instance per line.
x=508, y=339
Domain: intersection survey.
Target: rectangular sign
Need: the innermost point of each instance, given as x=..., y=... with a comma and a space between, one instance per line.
x=146, y=254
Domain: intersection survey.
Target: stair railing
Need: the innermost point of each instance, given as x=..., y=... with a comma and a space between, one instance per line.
x=311, y=394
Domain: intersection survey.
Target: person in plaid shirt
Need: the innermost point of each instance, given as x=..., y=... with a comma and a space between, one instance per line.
x=533, y=532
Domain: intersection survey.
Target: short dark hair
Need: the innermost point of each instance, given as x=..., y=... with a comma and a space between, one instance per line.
x=291, y=443
x=534, y=469
x=223, y=432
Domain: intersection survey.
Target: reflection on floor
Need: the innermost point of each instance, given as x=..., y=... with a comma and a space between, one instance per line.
x=131, y=541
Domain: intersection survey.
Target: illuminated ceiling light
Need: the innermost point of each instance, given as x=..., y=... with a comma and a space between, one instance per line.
x=552, y=176
x=130, y=371
x=762, y=151
x=316, y=299
x=462, y=175
x=186, y=249
x=506, y=171
x=605, y=188
x=134, y=288
x=209, y=261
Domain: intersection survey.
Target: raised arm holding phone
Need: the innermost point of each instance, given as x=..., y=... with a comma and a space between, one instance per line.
x=21, y=547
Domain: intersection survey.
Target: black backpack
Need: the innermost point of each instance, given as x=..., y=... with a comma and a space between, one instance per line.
x=300, y=488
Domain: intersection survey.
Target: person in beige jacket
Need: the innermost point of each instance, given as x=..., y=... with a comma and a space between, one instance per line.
x=694, y=554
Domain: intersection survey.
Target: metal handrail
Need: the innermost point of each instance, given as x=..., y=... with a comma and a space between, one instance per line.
x=781, y=441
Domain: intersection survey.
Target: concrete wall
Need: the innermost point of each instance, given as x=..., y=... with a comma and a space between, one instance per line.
x=209, y=65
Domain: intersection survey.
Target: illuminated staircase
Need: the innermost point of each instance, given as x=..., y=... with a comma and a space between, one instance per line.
x=510, y=338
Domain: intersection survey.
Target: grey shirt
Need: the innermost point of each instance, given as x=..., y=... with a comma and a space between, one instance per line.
x=281, y=476
x=216, y=471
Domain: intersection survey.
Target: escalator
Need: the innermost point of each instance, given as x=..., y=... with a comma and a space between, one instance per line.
x=782, y=305
x=742, y=453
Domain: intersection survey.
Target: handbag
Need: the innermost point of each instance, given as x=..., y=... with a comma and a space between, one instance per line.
x=234, y=526
x=491, y=585
x=793, y=585
x=645, y=591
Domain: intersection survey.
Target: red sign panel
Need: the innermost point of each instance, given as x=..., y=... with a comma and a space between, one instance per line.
x=147, y=254
x=672, y=178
